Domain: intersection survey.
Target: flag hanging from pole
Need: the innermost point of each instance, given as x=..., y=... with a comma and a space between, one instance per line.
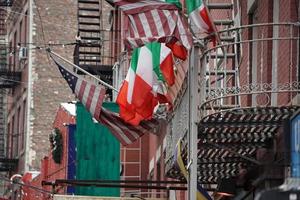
x=175, y=2
x=148, y=21
x=91, y=96
x=199, y=16
x=151, y=67
x=125, y=132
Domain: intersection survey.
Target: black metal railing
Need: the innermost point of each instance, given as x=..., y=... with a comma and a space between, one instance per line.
x=9, y=79
x=6, y=2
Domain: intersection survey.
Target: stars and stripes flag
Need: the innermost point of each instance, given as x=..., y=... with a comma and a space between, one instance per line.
x=91, y=96
x=127, y=133
x=148, y=21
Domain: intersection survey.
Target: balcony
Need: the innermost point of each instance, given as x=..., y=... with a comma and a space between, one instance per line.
x=8, y=164
x=246, y=72
x=9, y=79
x=248, y=90
x=6, y=2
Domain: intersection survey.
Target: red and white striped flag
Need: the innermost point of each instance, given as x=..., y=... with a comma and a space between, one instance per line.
x=148, y=21
x=91, y=96
x=125, y=132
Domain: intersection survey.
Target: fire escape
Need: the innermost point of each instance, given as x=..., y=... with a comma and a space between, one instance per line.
x=232, y=129
x=92, y=49
x=8, y=80
x=237, y=121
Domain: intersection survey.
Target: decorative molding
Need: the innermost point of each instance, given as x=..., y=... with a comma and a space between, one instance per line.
x=259, y=88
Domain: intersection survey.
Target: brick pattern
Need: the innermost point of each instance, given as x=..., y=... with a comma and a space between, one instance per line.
x=50, y=171
x=59, y=25
x=157, y=153
x=17, y=96
x=131, y=160
x=287, y=50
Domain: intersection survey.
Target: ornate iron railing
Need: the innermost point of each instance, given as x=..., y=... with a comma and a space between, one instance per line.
x=238, y=80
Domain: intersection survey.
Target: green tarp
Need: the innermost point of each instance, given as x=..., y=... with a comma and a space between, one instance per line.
x=98, y=153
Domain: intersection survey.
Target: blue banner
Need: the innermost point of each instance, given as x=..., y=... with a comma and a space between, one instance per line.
x=295, y=147
x=71, y=157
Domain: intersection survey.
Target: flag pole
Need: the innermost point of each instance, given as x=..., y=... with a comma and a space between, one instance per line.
x=193, y=129
x=84, y=71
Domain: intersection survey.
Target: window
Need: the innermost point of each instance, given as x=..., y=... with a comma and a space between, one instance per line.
x=21, y=32
x=253, y=53
x=10, y=60
x=8, y=144
x=18, y=133
x=12, y=146
x=158, y=177
x=25, y=27
x=15, y=51
x=14, y=137
x=23, y=130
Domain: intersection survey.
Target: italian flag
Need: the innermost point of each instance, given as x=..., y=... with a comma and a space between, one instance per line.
x=175, y=2
x=199, y=15
x=151, y=67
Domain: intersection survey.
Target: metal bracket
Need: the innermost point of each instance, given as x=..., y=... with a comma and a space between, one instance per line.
x=189, y=164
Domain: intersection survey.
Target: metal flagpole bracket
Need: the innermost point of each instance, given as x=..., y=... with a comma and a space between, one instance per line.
x=84, y=71
x=189, y=164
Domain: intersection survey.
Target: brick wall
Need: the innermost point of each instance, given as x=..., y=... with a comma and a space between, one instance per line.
x=287, y=50
x=50, y=171
x=134, y=160
x=17, y=96
x=59, y=25
x=157, y=158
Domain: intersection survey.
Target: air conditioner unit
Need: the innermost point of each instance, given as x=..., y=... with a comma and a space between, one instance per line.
x=23, y=53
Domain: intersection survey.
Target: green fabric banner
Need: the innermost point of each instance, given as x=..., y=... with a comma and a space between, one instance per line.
x=98, y=153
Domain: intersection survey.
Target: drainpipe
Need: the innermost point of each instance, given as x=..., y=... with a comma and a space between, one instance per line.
x=193, y=131
x=275, y=47
x=29, y=88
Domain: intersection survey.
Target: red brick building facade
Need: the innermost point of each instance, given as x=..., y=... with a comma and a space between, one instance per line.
x=268, y=54
x=32, y=25
x=31, y=103
x=263, y=59
x=50, y=170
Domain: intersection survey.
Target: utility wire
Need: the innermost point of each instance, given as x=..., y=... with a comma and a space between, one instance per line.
x=64, y=26
x=53, y=23
x=26, y=185
x=13, y=52
x=42, y=28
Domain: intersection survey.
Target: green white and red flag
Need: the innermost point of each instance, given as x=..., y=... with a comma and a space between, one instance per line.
x=199, y=16
x=175, y=2
x=147, y=21
x=151, y=66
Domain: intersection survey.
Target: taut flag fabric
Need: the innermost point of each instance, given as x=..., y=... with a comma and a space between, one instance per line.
x=91, y=96
x=148, y=21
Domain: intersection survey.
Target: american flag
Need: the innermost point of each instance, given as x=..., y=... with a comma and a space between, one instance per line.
x=153, y=20
x=127, y=133
x=91, y=96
